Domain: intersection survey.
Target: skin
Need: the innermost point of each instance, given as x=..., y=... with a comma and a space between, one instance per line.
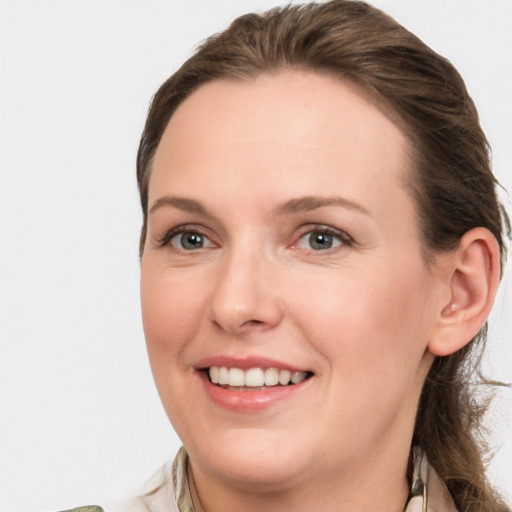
x=359, y=315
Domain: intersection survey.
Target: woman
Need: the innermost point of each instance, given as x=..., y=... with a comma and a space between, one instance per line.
x=320, y=251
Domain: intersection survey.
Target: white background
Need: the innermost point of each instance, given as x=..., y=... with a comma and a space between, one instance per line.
x=81, y=422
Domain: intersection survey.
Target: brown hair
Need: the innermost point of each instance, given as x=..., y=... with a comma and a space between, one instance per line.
x=451, y=179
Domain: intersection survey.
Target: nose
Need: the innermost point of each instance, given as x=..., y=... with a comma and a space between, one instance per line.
x=245, y=296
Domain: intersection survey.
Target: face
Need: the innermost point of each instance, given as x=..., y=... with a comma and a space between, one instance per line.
x=283, y=263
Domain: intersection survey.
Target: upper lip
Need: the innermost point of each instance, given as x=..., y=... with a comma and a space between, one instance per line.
x=244, y=363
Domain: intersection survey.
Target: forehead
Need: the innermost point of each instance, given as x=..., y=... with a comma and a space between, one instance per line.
x=293, y=129
x=272, y=101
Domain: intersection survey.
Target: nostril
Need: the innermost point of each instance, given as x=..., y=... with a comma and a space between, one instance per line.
x=253, y=322
x=243, y=327
x=254, y=325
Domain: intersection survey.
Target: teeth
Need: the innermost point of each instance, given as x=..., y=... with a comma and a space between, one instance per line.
x=285, y=377
x=271, y=377
x=254, y=377
x=298, y=377
x=214, y=374
x=236, y=377
x=223, y=376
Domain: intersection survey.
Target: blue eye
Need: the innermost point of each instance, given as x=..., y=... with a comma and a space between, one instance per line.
x=320, y=241
x=190, y=241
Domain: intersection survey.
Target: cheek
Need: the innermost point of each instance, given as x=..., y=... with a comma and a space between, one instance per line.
x=169, y=315
x=368, y=319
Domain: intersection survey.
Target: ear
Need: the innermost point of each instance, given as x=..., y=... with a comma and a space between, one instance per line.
x=473, y=277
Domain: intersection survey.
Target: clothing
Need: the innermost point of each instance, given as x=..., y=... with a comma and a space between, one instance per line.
x=168, y=490
x=90, y=508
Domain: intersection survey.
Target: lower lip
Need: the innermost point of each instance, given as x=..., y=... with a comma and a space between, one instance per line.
x=249, y=401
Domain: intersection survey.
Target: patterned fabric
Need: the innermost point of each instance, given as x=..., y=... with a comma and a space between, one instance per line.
x=417, y=500
x=91, y=508
x=164, y=497
x=180, y=482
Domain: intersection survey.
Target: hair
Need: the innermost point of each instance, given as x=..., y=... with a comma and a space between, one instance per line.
x=450, y=177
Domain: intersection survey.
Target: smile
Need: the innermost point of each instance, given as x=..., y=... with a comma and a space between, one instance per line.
x=254, y=378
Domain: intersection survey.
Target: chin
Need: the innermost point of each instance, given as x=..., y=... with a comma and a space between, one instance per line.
x=255, y=459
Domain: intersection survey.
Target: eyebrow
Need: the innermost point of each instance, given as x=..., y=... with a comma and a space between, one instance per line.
x=308, y=203
x=181, y=203
x=297, y=205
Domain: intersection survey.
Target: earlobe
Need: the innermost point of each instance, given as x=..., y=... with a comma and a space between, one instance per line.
x=473, y=280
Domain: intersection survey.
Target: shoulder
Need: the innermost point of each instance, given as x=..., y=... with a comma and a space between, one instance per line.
x=158, y=494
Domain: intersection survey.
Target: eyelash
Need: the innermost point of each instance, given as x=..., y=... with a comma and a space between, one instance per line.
x=180, y=230
x=345, y=239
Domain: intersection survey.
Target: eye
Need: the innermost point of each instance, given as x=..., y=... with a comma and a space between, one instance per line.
x=190, y=241
x=323, y=239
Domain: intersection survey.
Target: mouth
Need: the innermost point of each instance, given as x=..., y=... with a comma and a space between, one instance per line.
x=253, y=383
x=254, y=379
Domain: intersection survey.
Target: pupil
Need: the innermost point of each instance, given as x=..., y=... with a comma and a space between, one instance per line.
x=320, y=240
x=191, y=241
